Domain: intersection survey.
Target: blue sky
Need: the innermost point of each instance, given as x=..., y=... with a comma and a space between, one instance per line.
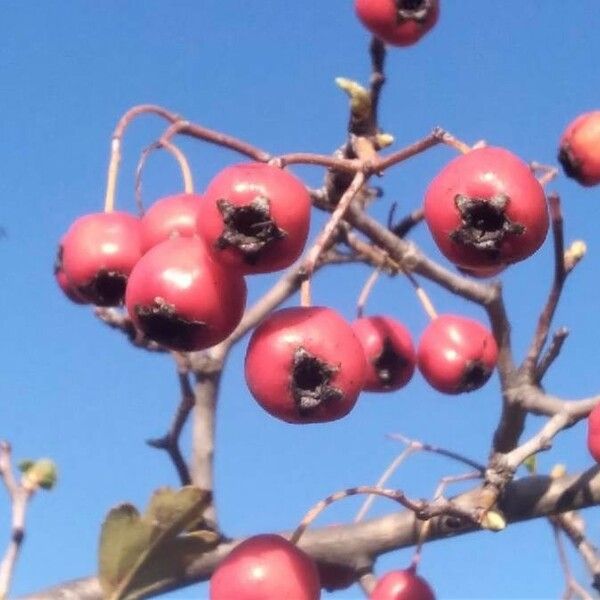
x=71, y=389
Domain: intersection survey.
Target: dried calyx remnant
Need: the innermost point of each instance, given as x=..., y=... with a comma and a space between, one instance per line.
x=388, y=365
x=161, y=323
x=484, y=223
x=248, y=228
x=416, y=10
x=310, y=382
x=475, y=375
x=570, y=164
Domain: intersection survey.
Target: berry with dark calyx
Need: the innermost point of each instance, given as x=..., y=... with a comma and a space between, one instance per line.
x=266, y=567
x=593, y=433
x=579, y=149
x=179, y=297
x=169, y=216
x=97, y=254
x=456, y=354
x=398, y=22
x=255, y=217
x=402, y=585
x=486, y=209
x=389, y=352
x=305, y=365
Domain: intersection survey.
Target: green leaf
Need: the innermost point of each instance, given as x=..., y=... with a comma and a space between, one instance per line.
x=138, y=553
x=123, y=539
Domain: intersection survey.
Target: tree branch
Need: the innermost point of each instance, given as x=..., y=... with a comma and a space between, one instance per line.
x=523, y=499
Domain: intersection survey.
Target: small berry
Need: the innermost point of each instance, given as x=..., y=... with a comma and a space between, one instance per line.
x=389, y=352
x=266, y=567
x=255, y=217
x=305, y=365
x=593, y=435
x=486, y=209
x=169, y=216
x=179, y=297
x=398, y=22
x=97, y=254
x=402, y=585
x=456, y=354
x=579, y=150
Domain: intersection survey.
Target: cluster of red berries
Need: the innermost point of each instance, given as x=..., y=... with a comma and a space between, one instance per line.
x=180, y=268
x=269, y=567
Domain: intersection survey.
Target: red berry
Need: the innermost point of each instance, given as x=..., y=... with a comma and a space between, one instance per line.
x=173, y=215
x=456, y=354
x=179, y=297
x=389, y=352
x=98, y=252
x=579, y=150
x=402, y=585
x=266, y=567
x=482, y=272
x=255, y=217
x=486, y=208
x=593, y=436
x=65, y=285
x=335, y=577
x=398, y=22
x=305, y=365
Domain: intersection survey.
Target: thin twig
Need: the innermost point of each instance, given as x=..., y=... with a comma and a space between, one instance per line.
x=545, y=319
x=19, y=495
x=170, y=441
x=551, y=354
x=366, y=291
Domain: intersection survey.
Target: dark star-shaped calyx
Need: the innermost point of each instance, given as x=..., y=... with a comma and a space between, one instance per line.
x=484, y=223
x=248, y=228
x=310, y=382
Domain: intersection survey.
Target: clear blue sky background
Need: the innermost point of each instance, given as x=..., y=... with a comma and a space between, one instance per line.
x=514, y=73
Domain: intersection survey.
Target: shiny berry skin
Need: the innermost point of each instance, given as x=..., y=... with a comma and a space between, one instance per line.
x=398, y=22
x=402, y=585
x=265, y=567
x=97, y=254
x=179, y=297
x=579, y=149
x=170, y=216
x=486, y=208
x=456, y=354
x=255, y=217
x=305, y=365
x=593, y=433
x=389, y=352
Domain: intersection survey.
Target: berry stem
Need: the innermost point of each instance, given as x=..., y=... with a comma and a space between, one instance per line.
x=390, y=470
x=424, y=299
x=184, y=166
x=366, y=291
x=317, y=509
x=115, y=148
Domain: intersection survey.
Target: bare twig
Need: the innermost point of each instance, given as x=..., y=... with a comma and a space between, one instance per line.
x=551, y=354
x=20, y=495
x=170, y=441
x=545, y=319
